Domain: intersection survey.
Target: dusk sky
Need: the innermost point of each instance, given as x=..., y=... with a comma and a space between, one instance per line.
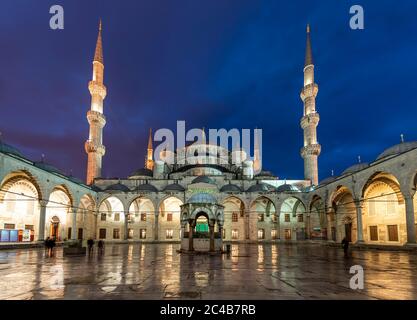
x=215, y=64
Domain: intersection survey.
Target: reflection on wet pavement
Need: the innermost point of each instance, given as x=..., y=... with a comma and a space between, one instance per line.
x=157, y=271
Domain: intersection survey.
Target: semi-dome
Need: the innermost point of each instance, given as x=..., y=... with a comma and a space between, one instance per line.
x=287, y=188
x=142, y=172
x=230, y=188
x=260, y=187
x=203, y=179
x=202, y=198
x=355, y=168
x=146, y=187
x=398, y=149
x=7, y=148
x=174, y=187
x=118, y=187
x=47, y=167
x=327, y=180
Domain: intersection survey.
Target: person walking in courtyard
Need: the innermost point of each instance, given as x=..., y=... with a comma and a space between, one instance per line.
x=100, y=247
x=47, y=244
x=345, y=245
x=51, y=245
x=90, y=244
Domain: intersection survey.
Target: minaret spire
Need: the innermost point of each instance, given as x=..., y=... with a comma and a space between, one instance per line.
x=98, y=55
x=309, y=53
x=149, y=163
x=94, y=145
x=311, y=149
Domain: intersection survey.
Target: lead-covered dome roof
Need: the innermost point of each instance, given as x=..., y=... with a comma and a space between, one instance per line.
x=203, y=179
x=146, y=187
x=230, y=188
x=356, y=167
x=287, y=188
x=398, y=149
x=174, y=187
x=260, y=187
x=8, y=149
x=118, y=187
x=142, y=172
x=47, y=167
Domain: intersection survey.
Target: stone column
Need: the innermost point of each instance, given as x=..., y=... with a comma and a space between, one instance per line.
x=182, y=230
x=410, y=219
x=126, y=226
x=156, y=227
x=190, y=237
x=74, y=224
x=211, y=227
x=359, y=226
x=247, y=225
x=42, y=216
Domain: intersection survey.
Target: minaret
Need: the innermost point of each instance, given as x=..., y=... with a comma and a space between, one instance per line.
x=149, y=157
x=310, y=119
x=94, y=145
x=257, y=153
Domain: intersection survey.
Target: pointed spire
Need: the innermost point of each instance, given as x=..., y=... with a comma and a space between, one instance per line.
x=402, y=138
x=309, y=54
x=150, y=139
x=203, y=136
x=98, y=56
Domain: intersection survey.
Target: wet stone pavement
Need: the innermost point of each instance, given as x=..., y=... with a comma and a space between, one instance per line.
x=157, y=271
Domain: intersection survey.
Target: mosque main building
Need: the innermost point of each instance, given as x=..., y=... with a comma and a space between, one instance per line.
x=208, y=198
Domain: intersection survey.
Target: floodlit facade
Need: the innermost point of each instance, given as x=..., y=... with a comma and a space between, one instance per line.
x=207, y=197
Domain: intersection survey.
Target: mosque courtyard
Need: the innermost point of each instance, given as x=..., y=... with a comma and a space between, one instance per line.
x=157, y=271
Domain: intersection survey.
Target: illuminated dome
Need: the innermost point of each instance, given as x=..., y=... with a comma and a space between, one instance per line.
x=287, y=188
x=355, y=168
x=398, y=149
x=202, y=198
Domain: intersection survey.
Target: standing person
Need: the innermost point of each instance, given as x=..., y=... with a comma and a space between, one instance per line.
x=345, y=245
x=90, y=244
x=47, y=243
x=52, y=244
x=101, y=247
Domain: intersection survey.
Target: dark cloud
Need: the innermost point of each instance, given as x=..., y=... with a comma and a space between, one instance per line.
x=214, y=64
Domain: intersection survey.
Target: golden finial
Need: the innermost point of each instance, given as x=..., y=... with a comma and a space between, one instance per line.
x=308, y=28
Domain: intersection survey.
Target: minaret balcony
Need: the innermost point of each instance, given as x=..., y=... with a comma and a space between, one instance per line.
x=91, y=147
x=310, y=119
x=95, y=117
x=310, y=150
x=310, y=90
x=97, y=88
